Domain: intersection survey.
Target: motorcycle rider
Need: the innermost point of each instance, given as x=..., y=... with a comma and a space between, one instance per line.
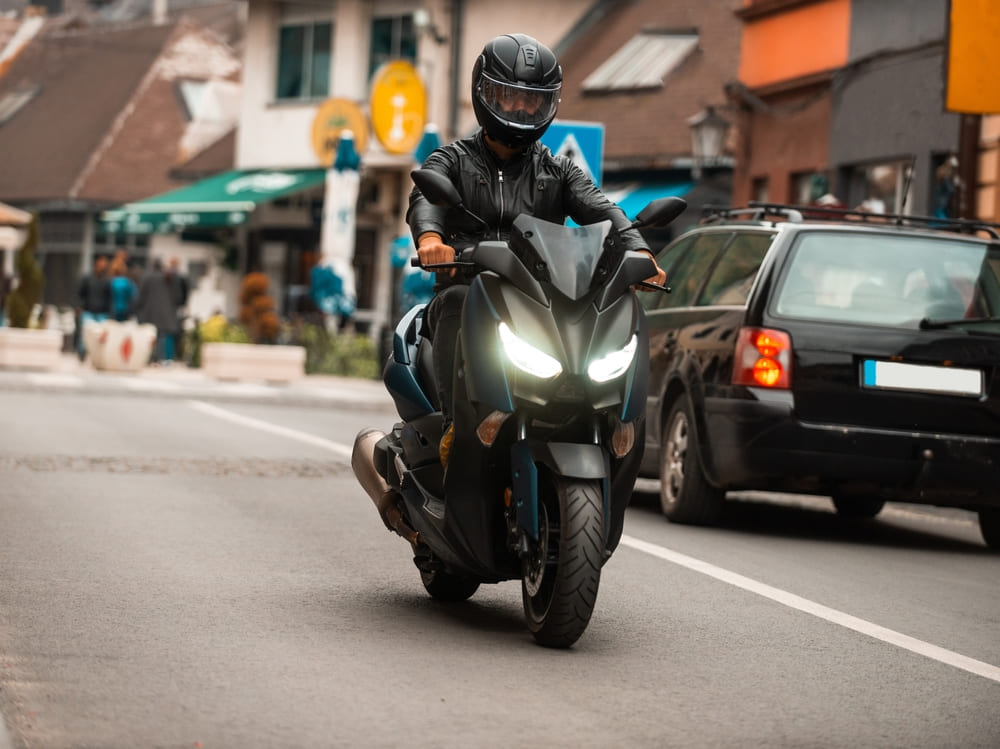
x=500, y=171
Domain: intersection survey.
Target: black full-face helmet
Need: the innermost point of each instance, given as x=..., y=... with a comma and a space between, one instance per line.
x=515, y=89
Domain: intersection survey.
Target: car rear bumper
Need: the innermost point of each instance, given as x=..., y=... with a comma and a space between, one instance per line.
x=759, y=444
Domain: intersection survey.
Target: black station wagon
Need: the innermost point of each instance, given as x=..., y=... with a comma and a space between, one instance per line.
x=834, y=353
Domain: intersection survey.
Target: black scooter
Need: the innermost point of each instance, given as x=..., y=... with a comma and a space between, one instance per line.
x=549, y=427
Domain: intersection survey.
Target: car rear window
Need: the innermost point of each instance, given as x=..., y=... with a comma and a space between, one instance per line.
x=887, y=280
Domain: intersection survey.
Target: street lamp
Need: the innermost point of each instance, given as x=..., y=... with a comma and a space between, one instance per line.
x=708, y=134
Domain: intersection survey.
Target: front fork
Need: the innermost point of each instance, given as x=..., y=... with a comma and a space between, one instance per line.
x=570, y=459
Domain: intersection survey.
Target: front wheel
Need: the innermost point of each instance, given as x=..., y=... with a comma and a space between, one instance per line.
x=563, y=571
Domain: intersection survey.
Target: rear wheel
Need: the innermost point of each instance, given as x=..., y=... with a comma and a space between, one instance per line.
x=685, y=494
x=562, y=573
x=989, y=526
x=447, y=587
x=857, y=507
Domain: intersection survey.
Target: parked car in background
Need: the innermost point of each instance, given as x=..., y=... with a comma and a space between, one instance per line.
x=836, y=353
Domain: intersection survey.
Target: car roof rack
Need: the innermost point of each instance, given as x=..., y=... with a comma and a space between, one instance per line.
x=758, y=211
x=753, y=212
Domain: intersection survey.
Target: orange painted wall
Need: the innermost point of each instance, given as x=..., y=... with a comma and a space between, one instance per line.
x=795, y=43
x=973, y=57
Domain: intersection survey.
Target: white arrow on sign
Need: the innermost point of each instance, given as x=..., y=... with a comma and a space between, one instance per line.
x=570, y=148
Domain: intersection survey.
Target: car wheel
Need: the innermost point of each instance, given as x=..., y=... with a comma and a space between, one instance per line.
x=858, y=507
x=989, y=526
x=685, y=494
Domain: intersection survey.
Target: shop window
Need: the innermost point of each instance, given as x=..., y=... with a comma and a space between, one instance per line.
x=760, y=189
x=883, y=186
x=393, y=38
x=809, y=187
x=304, y=59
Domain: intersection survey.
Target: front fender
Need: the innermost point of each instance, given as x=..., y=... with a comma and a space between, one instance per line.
x=570, y=459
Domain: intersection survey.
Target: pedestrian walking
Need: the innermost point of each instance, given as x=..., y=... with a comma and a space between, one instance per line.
x=123, y=289
x=177, y=284
x=93, y=303
x=155, y=306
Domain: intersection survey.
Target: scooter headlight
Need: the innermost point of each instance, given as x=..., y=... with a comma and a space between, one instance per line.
x=614, y=364
x=526, y=357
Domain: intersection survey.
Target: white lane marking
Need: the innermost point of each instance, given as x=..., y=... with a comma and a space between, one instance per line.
x=56, y=380
x=248, y=388
x=309, y=439
x=791, y=600
x=785, y=598
x=152, y=386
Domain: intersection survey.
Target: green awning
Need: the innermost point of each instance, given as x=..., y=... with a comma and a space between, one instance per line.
x=223, y=200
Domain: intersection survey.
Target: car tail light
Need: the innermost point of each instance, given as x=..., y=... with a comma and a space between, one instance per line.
x=763, y=358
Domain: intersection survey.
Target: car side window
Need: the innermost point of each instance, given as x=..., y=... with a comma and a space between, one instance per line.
x=734, y=274
x=687, y=274
x=667, y=258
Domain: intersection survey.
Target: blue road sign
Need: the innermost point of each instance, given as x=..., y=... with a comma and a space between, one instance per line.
x=583, y=142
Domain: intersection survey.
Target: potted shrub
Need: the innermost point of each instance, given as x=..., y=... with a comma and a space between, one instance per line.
x=262, y=358
x=21, y=346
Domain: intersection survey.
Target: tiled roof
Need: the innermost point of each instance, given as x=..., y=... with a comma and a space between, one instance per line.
x=86, y=80
x=105, y=123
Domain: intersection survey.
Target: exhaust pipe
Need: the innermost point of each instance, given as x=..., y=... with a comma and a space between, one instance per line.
x=385, y=498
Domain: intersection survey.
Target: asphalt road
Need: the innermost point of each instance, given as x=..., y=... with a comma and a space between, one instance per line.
x=182, y=572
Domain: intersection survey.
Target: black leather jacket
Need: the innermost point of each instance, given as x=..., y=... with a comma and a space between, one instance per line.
x=534, y=182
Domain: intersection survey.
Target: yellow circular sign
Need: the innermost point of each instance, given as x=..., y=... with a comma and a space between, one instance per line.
x=333, y=116
x=398, y=107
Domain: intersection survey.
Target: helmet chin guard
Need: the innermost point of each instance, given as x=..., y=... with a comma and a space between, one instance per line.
x=515, y=89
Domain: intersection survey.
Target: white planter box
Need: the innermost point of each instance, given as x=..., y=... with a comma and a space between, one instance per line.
x=248, y=361
x=30, y=348
x=119, y=346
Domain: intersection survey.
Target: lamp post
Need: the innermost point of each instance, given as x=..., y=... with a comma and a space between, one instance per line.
x=708, y=134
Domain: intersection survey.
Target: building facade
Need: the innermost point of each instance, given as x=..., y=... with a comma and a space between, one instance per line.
x=301, y=55
x=845, y=100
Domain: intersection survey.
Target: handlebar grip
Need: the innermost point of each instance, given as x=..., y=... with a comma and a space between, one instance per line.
x=415, y=262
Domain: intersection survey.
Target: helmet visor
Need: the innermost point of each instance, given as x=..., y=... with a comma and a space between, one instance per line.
x=519, y=105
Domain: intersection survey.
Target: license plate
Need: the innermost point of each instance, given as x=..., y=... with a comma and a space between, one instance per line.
x=921, y=378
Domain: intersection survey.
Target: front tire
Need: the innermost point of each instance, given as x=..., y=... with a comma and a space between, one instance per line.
x=447, y=587
x=685, y=494
x=989, y=526
x=563, y=572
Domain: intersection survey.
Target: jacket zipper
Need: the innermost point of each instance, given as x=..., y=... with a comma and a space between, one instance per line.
x=500, y=175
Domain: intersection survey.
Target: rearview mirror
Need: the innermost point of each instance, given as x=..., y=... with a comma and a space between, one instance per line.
x=437, y=188
x=660, y=212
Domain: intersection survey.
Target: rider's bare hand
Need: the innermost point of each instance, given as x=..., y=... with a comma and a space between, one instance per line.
x=432, y=250
x=659, y=278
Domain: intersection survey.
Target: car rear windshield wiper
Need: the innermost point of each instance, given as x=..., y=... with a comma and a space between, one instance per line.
x=930, y=324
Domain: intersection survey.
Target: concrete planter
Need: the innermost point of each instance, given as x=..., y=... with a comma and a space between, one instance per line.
x=248, y=361
x=119, y=346
x=28, y=348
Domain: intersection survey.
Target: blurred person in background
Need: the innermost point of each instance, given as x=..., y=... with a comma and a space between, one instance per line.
x=5, y=286
x=177, y=284
x=123, y=289
x=155, y=306
x=93, y=295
